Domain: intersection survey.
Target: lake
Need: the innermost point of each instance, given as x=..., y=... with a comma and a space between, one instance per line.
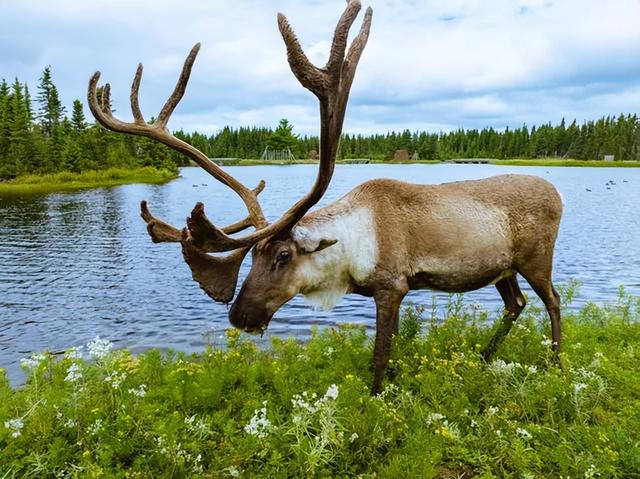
x=77, y=265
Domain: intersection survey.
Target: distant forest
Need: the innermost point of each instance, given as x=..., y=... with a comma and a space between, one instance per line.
x=47, y=138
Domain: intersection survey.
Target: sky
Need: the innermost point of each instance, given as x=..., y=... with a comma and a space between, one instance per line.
x=429, y=65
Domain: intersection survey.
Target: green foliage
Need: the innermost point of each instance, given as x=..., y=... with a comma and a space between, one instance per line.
x=304, y=410
x=52, y=142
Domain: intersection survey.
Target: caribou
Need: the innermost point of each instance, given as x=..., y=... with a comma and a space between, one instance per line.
x=380, y=240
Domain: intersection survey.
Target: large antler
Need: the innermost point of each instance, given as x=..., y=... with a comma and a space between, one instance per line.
x=331, y=84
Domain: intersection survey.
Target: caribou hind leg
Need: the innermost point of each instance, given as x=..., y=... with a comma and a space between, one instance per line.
x=514, y=303
x=540, y=282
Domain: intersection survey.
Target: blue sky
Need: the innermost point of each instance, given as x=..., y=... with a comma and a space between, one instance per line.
x=432, y=65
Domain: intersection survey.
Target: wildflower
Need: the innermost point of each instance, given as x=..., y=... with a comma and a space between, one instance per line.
x=259, y=425
x=70, y=423
x=74, y=373
x=501, y=367
x=434, y=417
x=523, y=433
x=33, y=361
x=140, y=392
x=332, y=392
x=116, y=379
x=492, y=410
x=532, y=369
x=99, y=348
x=74, y=353
x=353, y=437
x=233, y=471
x=448, y=430
x=546, y=342
x=16, y=425
x=329, y=352
x=591, y=472
x=474, y=423
x=197, y=426
x=95, y=428
x=302, y=357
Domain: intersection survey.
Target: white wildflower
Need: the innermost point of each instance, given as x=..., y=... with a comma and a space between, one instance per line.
x=591, y=472
x=546, y=342
x=99, y=348
x=523, y=433
x=492, y=410
x=16, y=425
x=74, y=373
x=70, y=423
x=259, y=425
x=501, y=367
x=197, y=426
x=302, y=357
x=498, y=433
x=116, y=379
x=95, y=428
x=74, y=353
x=474, y=423
x=332, y=392
x=532, y=369
x=140, y=391
x=233, y=471
x=434, y=417
x=33, y=361
x=329, y=352
x=353, y=437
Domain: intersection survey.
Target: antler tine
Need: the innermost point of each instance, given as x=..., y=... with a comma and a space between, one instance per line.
x=310, y=76
x=340, y=36
x=135, y=105
x=178, y=91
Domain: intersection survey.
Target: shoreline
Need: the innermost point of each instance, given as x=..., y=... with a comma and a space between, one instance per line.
x=511, y=162
x=69, y=181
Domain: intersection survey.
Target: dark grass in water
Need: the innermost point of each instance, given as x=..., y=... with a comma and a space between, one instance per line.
x=304, y=410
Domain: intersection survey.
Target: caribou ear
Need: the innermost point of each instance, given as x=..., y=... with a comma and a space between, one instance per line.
x=308, y=241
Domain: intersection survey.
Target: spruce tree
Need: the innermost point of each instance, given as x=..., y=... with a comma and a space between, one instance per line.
x=78, y=121
x=51, y=110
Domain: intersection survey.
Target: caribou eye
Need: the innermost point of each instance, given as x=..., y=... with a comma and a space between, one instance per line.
x=284, y=256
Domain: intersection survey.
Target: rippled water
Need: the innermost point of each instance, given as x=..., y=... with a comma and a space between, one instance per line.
x=77, y=265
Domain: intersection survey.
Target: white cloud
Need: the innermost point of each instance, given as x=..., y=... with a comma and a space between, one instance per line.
x=429, y=65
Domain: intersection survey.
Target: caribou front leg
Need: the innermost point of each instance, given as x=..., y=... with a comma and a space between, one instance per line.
x=387, y=326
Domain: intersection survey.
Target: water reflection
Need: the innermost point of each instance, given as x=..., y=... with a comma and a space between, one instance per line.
x=80, y=264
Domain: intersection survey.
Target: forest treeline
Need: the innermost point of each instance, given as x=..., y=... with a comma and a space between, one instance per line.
x=592, y=140
x=41, y=136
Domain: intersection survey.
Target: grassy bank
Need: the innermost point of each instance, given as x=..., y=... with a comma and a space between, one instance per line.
x=68, y=181
x=559, y=162
x=305, y=410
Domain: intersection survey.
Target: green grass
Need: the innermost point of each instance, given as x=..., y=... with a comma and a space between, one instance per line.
x=560, y=162
x=304, y=410
x=68, y=181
